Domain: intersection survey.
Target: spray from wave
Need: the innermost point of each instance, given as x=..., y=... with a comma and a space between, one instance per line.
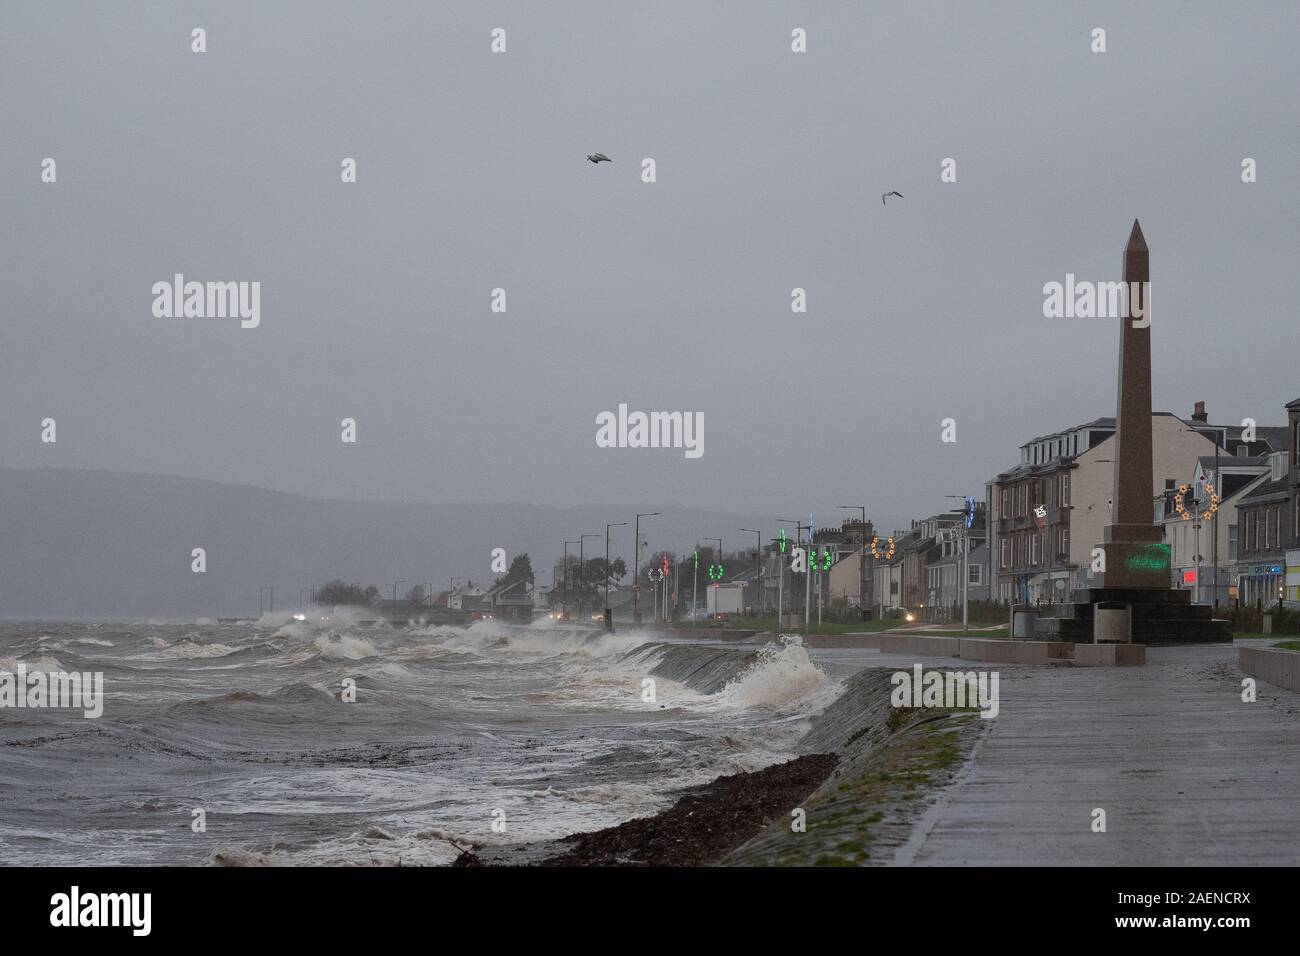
x=344, y=647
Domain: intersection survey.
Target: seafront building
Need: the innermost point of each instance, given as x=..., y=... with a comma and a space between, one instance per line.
x=1267, y=569
x=1050, y=510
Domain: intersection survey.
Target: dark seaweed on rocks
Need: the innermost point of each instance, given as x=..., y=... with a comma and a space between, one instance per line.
x=704, y=824
x=701, y=827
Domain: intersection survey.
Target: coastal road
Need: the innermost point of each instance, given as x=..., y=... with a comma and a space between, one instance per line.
x=1186, y=772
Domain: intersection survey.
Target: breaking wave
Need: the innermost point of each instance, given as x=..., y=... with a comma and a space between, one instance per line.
x=344, y=647
x=777, y=677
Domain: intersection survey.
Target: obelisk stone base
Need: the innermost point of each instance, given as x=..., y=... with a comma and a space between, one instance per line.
x=1136, y=563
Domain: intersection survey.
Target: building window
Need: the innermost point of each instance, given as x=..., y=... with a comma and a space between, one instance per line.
x=974, y=574
x=1232, y=541
x=1065, y=543
x=1250, y=531
x=1034, y=545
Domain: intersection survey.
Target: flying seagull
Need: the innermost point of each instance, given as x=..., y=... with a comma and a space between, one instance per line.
x=599, y=158
x=894, y=192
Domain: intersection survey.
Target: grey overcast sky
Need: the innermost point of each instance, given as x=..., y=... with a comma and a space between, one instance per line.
x=666, y=296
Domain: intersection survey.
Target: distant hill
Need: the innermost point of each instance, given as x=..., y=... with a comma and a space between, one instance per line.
x=96, y=544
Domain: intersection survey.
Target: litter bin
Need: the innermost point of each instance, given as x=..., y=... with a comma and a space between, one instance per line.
x=1112, y=622
x=1023, y=617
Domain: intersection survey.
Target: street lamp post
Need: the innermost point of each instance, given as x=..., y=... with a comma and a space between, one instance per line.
x=807, y=595
x=963, y=535
x=758, y=559
x=395, y=584
x=1196, y=549
x=1214, y=526
x=582, y=572
x=964, y=532
x=609, y=614
x=715, y=586
x=695, y=587
x=564, y=601
x=677, y=592
x=636, y=567
x=780, y=579
x=798, y=541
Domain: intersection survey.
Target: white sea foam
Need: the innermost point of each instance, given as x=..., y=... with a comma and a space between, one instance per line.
x=186, y=650
x=42, y=662
x=783, y=678
x=344, y=647
x=542, y=639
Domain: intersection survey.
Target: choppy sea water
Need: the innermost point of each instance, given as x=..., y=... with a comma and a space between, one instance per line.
x=544, y=729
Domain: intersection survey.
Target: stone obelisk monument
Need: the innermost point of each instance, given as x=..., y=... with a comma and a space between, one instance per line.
x=1136, y=572
x=1135, y=554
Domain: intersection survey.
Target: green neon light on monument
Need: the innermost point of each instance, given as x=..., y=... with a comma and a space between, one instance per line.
x=1153, y=557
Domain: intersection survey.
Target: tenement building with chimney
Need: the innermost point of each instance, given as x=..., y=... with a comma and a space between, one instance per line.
x=1268, y=527
x=1050, y=510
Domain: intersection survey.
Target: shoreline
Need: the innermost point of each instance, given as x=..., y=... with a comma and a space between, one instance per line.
x=866, y=778
x=704, y=825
